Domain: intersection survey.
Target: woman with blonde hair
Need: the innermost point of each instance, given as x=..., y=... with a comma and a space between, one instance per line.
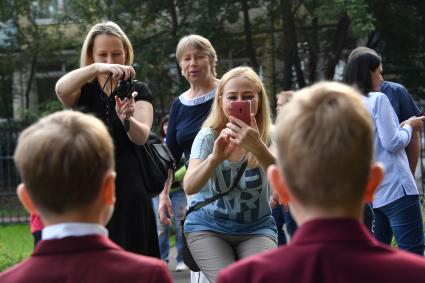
x=106, y=58
x=238, y=224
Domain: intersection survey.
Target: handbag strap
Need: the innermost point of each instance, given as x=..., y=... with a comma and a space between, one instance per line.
x=219, y=195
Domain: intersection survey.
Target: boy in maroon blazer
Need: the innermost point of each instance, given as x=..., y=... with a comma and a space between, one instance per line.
x=66, y=162
x=325, y=171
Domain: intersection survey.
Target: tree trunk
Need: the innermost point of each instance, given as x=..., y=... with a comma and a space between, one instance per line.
x=290, y=48
x=337, y=46
x=287, y=45
x=248, y=35
x=174, y=28
x=313, y=50
x=273, y=48
x=30, y=80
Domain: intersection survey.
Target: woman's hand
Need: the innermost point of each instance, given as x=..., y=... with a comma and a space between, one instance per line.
x=244, y=135
x=125, y=108
x=415, y=122
x=165, y=206
x=223, y=147
x=274, y=200
x=118, y=71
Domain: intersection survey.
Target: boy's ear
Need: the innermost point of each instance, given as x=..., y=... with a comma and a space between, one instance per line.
x=376, y=175
x=108, y=189
x=25, y=198
x=277, y=181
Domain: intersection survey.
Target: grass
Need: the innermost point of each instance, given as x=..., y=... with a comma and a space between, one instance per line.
x=16, y=244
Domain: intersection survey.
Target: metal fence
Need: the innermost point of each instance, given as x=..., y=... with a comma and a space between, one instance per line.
x=11, y=211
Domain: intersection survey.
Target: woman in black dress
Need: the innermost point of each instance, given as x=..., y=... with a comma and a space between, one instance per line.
x=106, y=57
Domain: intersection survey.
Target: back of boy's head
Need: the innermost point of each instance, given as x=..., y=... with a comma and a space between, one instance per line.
x=63, y=159
x=325, y=145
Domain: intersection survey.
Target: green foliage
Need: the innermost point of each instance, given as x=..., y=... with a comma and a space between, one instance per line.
x=362, y=20
x=155, y=26
x=401, y=41
x=16, y=244
x=50, y=106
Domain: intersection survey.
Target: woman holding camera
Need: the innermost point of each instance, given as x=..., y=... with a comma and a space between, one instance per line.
x=106, y=58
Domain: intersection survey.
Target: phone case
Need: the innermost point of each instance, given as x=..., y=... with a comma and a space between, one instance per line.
x=241, y=110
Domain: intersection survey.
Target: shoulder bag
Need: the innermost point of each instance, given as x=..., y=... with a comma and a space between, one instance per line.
x=155, y=158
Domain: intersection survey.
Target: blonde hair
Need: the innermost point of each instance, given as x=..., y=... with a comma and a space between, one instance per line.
x=325, y=145
x=108, y=28
x=217, y=119
x=63, y=159
x=200, y=43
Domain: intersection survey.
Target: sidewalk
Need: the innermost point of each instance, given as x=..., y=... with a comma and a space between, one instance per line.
x=178, y=277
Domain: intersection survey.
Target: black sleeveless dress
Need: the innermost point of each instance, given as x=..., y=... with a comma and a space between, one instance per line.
x=132, y=225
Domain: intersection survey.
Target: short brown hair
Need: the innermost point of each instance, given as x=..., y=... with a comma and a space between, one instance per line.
x=108, y=28
x=325, y=145
x=200, y=43
x=63, y=159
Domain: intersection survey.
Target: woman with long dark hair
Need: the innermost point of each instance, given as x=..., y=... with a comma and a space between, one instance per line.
x=396, y=206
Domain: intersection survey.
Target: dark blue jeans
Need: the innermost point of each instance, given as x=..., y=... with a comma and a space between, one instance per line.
x=281, y=216
x=178, y=200
x=403, y=218
x=291, y=225
x=277, y=214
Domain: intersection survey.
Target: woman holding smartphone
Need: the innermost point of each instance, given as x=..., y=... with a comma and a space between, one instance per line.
x=239, y=224
x=396, y=205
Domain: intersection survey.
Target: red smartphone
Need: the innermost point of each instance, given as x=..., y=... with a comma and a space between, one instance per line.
x=241, y=110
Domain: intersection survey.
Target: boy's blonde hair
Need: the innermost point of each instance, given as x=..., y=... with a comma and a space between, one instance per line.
x=63, y=159
x=200, y=43
x=108, y=28
x=217, y=120
x=325, y=145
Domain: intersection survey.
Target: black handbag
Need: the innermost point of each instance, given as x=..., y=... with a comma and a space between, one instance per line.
x=155, y=158
x=187, y=255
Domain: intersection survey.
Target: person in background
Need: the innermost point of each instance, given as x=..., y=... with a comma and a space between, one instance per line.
x=36, y=226
x=238, y=224
x=66, y=163
x=179, y=203
x=396, y=206
x=281, y=212
x=106, y=58
x=326, y=171
x=405, y=108
x=197, y=59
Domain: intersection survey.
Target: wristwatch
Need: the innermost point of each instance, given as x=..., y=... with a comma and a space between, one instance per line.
x=126, y=125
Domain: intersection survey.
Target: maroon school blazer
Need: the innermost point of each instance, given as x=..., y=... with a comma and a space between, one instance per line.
x=329, y=251
x=91, y=258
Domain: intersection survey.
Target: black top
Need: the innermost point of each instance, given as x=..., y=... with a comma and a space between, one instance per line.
x=94, y=100
x=132, y=225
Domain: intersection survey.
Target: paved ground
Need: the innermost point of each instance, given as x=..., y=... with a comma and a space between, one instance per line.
x=178, y=277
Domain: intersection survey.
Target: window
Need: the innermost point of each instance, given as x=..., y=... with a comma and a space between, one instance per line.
x=44, y=12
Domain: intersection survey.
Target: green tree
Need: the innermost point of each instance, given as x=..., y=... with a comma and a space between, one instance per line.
x=401, y=41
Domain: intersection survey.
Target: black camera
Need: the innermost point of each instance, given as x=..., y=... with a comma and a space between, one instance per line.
x=125, y=88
